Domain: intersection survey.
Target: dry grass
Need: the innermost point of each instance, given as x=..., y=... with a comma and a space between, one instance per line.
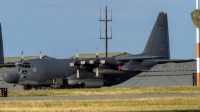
x=106, y=91
x=148, y=104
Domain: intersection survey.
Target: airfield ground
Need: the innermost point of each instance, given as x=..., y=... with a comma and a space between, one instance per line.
x=168, y=103
x=106, y=91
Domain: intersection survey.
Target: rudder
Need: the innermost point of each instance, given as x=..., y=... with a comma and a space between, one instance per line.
x=158, y=42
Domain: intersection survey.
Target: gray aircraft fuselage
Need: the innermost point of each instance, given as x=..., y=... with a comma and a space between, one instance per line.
x=41, y=72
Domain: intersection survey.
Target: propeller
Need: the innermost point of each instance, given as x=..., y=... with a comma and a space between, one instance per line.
x=77, y=63
x=97, y=61
x=22, y=56
x=22, y=60
x=40, y=56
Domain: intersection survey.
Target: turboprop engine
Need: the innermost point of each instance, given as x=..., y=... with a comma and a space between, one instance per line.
x=73, y=81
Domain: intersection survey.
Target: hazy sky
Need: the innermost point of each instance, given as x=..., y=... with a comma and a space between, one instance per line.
x=59, y=27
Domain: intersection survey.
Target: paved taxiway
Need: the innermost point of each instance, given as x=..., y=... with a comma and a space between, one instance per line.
x=95, y=97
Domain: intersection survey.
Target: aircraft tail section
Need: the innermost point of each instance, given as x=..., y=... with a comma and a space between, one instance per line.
x=1, y=47
x=158, y=42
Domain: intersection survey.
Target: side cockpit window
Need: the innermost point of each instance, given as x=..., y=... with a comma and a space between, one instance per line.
x=24, y=71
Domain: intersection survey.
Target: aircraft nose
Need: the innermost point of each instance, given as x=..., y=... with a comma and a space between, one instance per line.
x=10, y=76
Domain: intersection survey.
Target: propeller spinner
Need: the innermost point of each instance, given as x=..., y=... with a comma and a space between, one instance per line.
x=97, y=61
x=77, y=63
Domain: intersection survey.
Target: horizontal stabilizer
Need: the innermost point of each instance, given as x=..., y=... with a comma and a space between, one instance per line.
x=128, y=58
x=175, y=61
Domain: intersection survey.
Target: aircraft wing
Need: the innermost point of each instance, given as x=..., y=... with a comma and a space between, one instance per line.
x=8, y=65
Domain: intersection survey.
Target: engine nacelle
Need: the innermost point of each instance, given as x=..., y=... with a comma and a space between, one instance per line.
x=94, y=83
x=102, y=66
x=76, y=83
x=85, y=68
x=108, y=71
x=91, y=83
x=73, y=81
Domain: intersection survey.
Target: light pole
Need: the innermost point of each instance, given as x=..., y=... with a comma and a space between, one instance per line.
x=198, y=49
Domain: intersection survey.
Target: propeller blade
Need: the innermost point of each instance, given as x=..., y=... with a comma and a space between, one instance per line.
x=82, y=62
x=16, y=64
x=22, y=56
x=102, y=61
x=76, y=53
x=91, y=61
x=77, y=74
x=40, y=55
x=71, y=64
x=97, y=52
x=97, y=72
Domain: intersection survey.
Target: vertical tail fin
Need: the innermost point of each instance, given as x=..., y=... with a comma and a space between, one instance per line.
x=1, y=47
x=158, y=42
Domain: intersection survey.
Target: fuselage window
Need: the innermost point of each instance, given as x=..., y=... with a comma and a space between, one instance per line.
x=19, y=69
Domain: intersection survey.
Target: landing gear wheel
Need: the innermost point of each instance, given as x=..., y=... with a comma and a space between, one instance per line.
x=27, y=87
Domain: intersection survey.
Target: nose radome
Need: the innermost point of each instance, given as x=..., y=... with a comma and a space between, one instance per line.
x=10, y=76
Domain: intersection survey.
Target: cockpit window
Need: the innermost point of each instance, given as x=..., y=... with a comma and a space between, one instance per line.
x=20, y=65
x=26, y=65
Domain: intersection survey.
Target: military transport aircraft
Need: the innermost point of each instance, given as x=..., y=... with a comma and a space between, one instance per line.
x=97, y=72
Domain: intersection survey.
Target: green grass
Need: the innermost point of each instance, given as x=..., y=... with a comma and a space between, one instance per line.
x=105, y=91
